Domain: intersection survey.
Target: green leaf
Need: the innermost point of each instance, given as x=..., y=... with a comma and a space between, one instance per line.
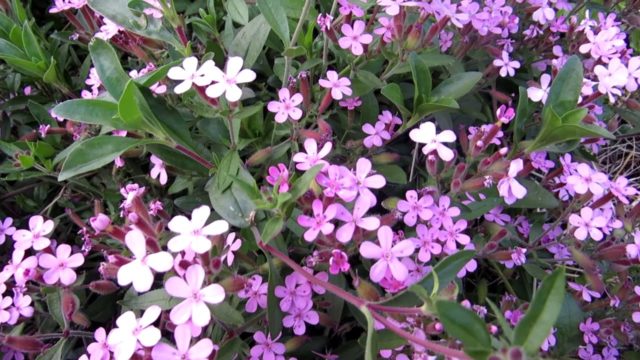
x=227, y=314
x=457, y=85
x=97, y=152
x=107, y=64
x=475, y=209
x=227, y=170
x=272, y=228
x=523, y=114
x=275, y=15
x=54, y=305
x=274, y=315
x=465, y=325
x=7, y=49
x=421, y=80
x=566, y=87
x=371, y=347
x=129, y=107
x=157, y=297
x=365, y=82
x=238, y=11
x=393, y=92
x=31, y=43
x=92, y=111
x=294, y=52
x=542, y=313
x=232, y=204
x=393, y=173
x=303, y=183
x=55, y=352
x=231, y=349
x=250, y=40
x=447, y=269
x=537, y=197
x=504, y=326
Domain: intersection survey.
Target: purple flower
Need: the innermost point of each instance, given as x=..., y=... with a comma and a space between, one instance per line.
x=633, y=250
x=415, y=207
x=518, y=258
x=346, y=8
x=586, y=294
x=589, y=330
x=351, y=103
x=538, y=94
x=388, y=255
x=320, y=220
x=451, y=234
x=587, y=179
x=354, y=37
x=385, y=31
x=427, y=243
x=339, y=262
x=299, y=317
x=279, y=175
x=391, y=7
x=376, y=133
x=35, y=237
x=497, y=216
x=355, y=219
x=339, y=86
x=6, y=228
x=312, y=157
x=158, y=171
x=286, y=107
x=364, y=181
x=620, y=188
x=443, y=211
x=256, y=292
x=60, y=267
x=266, y=347
x=507, y=66
x=293, y=294
x=508, y=187
x=612, y=78
x=505, y=114
x=587, y=224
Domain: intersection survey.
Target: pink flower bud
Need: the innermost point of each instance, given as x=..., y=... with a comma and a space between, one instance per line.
x=27, y=344
x=100, y=222
x=103, y=287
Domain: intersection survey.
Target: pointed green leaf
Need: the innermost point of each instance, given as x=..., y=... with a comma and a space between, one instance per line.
x=466, y=326
x=457, y=85
x=566, y=87
x=107, y=64
x=91, y=111
x=421, y=80
x=275, y=15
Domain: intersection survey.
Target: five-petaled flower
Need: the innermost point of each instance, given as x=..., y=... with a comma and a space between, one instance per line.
x=508, y=187
x=158, y=171
x=320, y=221
x=138, y=271
x=426, y=134
x=35, y=237
x=193, y=234
x=183, y=350
x=190, y=74
x=286, y=107
x=388, y=255
x=312, y=157
x=507, y=67
x=227, y=82
x=60, y=267
x=130, y=331
x=339, y=86
x=354, y=37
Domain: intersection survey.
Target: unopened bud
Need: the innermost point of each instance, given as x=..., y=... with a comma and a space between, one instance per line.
x=259, y=157
x=26, y=344
x=456, y=185
x=500, y=96
x=472, y=185
x=366, y=290
x=233, y=284
x=103, y=287
x=108, y=271
x=100, y=222
x=80, y=319
x=69, y=304
x=294, y=343
x=385, y=158
x=305, y=89
x=413, y=39
x=633, y=104
x=432, y=165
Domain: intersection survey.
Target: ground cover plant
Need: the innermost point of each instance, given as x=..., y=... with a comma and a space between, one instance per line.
x=317, y=179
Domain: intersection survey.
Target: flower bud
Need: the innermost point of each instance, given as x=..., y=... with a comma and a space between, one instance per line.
x=100, y=222
x=26, y=344
x=295, y=342
x=233, y=284
x=325, y=102
x=472, y=185
x=413, y=39
x=259, y=157
x=80, y=319
x=385, y=158
x=69, y=304
x=432, y=165
x=366, y=290
x=103, y=287
x=633, y=104
x=456, y=185
x=108, y=271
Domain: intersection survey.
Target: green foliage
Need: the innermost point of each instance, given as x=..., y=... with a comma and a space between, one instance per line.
x=465, y=325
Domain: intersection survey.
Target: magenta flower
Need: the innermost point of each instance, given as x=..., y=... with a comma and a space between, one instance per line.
x=355, y=219
x=21, y=307
x=6, y=229
x=338, y=180
x=196, y=297
x=279, y=176
x=508, y=187
x=385, y=31
x=538, y=94
x=183, y=350
x=138, y=271
x=451, y=234
x=286, y=107
x=266, y=347
x=299, y=317
x=22, y=269
x=100, y=349
x=190, y=74
x=312, y=157
x=193, y=234
x=293, y=294
x=339, y=262
x=377, y=134
x=587, y=224
x=388, y=255
x=507, y=66
x=505, y=114
x=426, y=134
x=415, y=207
x=355, y=37
x=443, y=211
x=589, y=330
x=130, y=332
x=339, y=86
x=351, y=103
x=620, y=188
x=586, y=294
x=232, y=244
x=427, y=243
x=518, y=258
x=227, y=81
x=256, y=292
x=320, y=220
x=60, y=267
x=158, y=171
x=35, y=237
x=346, y=8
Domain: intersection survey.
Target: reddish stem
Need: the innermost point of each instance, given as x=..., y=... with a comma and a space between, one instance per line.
x=204, y=162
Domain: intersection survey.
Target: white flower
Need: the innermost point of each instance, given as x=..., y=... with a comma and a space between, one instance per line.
x=426, y=134
x=190, y=74
x=227, y=82
x=540, y=94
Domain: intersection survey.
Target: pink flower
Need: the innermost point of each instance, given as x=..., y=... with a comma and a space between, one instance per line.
x=99, y=222
x=505, y=114
x=357, y=219
x=385, y=31
x=365, y=181
x=587, y=224
x=158, y=171
x=633, y=250
x=426, y=134
x=538, y=94
x=293, y=294
x=183, y=350
x=507, y=67
x=354, y=37
x=388, y=255
x=589, y=330
x=35, y=236
x=60, y=267
x=227, y=82
x=193, y=234
x=138, y=271
x=22, y=269
x=508, y=187
x=587, y=179
x=518, y=258
x=312, y=157
x=320, y=220
x=339, y=262
x=190, y=74
x=338, y=86
x=426, y=242
x=5, y=304
x=587, y=294
x=279, y=176
x=100, y=349
x=154, y=9
x=351, y=103
x=611, y=78
x=256, y=291
x=620, y=188
x=299, y=317
x=266, y=347
x=451, y=234
x=108, y=30
x=196, y=297
x=6, y=229
x=391, y=7
x=633, y=67
x=376, y=133
x=286, y=107
x=443, y=211
x=346, y=8
x=415, y=207
x=43, y=130
x=21, y=307
x=232, y=244
x=324, y=22
x=131, y=331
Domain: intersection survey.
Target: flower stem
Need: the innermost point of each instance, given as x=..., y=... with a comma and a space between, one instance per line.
x=294, y=39
x=204, y=162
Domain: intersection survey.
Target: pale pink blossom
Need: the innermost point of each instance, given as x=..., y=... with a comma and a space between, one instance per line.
x=415, y=207
x=518, y=258
x=319, y=222
x=6, y=228
x=227, y=82
x=279, y=175
x=286, y=107
x=633, y=250
x=193, y=234
x=154, y=9
x=138, y=271
x=366, y=179
x=20, y=268
x=132, y=332
x=339, y=86
x=201, y=350
x=60, y=267
x=293, y=294
x=194, y=307
x=508, y=187
x=538, y=94
x=355, y=219
x=507, y=66
x=588, y=224
x=267, y=348
x=388, y=255
x=158, y=171
x=299, y=317
x=612, y=78
x=35, y=237
x=231, y=245
x=108, y=30
x=256, y=292
x=377, y=134
x=426, y=134
x=587, y=295
x=587, y=179
x=312, y=157
x=190, y=74
x=100, y=349
x=354, y=37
